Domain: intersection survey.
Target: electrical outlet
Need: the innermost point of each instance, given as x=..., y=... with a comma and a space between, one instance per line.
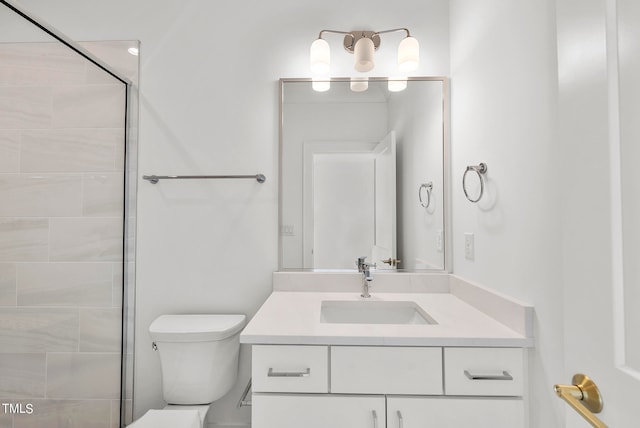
x=469, y=246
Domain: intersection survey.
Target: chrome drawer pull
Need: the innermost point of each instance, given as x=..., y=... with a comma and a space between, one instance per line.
x=400, y=420
x=375, y=419
x=504, y=376
x=305, y=373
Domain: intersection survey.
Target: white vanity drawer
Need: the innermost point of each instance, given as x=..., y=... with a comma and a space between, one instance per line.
x=283, y=368
x=386, y=370
x=484, y=371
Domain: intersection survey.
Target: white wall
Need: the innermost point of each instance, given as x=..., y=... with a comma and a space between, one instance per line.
x=209, y=104
x=504, y=105
x=417, y=118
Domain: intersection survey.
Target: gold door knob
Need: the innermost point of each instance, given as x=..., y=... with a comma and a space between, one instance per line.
x=392, y=262
x=584, y=397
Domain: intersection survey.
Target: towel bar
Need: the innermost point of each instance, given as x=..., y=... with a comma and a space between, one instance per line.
x=260, y=178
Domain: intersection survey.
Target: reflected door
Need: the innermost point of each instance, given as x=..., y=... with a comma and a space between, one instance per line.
x=343, y=220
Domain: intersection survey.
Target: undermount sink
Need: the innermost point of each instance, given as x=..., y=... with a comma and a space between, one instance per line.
x=373, y=312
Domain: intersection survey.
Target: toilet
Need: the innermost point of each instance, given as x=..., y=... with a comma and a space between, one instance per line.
x=199, y=360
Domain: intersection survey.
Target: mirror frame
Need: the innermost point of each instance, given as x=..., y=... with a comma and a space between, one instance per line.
x=446, y=171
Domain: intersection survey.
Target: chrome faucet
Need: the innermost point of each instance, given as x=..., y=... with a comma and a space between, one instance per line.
x=364, y=267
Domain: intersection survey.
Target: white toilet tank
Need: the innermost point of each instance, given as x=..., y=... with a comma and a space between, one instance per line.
x=198, y=355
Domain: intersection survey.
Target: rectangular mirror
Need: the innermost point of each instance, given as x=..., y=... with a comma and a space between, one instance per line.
x=364, y=174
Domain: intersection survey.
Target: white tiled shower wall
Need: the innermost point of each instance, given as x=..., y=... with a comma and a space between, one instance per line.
x=61, y=223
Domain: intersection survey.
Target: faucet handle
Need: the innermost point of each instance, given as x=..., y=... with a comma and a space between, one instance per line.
x=361, y=261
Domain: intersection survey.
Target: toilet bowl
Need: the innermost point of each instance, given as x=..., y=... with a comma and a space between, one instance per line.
x=199, y=361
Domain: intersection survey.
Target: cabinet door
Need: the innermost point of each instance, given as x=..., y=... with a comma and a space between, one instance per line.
x=463, y=412
x=317, y=411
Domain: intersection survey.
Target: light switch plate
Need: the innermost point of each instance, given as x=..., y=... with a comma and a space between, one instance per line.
x=439, y=239
x=469, y=246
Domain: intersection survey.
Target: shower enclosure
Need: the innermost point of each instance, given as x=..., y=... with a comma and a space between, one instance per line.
x=68, y=134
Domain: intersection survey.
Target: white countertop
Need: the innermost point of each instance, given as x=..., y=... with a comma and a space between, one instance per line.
x=293, y=317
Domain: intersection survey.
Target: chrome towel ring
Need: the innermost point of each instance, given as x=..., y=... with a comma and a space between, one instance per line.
x=480, y=170
x=429, y=187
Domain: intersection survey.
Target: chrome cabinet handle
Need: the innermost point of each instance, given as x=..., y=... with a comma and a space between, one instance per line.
x=375, y=419
x=504, y=376
x=400, y=420
x=272, y=373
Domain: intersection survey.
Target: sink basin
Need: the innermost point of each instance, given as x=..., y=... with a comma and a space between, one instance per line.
x=373, y=312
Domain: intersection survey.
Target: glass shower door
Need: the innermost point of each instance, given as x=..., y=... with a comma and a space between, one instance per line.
x=65, y=222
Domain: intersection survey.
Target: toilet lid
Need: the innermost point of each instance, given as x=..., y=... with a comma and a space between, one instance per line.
x=195, y=327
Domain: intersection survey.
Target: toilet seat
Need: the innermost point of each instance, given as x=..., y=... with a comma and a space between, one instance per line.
x=173, y=417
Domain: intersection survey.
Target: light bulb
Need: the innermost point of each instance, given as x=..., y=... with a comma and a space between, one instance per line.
x=408, y=54
x=359, y=84
x=363, y=51
x=320, y=85
x=319, y=57
x=397, y=84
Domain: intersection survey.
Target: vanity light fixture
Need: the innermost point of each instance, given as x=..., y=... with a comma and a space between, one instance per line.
x=363, y=44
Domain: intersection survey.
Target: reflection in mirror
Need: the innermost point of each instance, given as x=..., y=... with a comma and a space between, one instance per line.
x=363, y=174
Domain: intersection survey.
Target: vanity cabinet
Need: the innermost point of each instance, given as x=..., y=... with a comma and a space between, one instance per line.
x=458, y=412
x=387, y=387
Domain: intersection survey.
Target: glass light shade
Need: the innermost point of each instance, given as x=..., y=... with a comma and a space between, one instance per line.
x=359, y=84
x=363, y=51
x=397, y=84
x=408, y=54
x=319, y=56
x=320, y=85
